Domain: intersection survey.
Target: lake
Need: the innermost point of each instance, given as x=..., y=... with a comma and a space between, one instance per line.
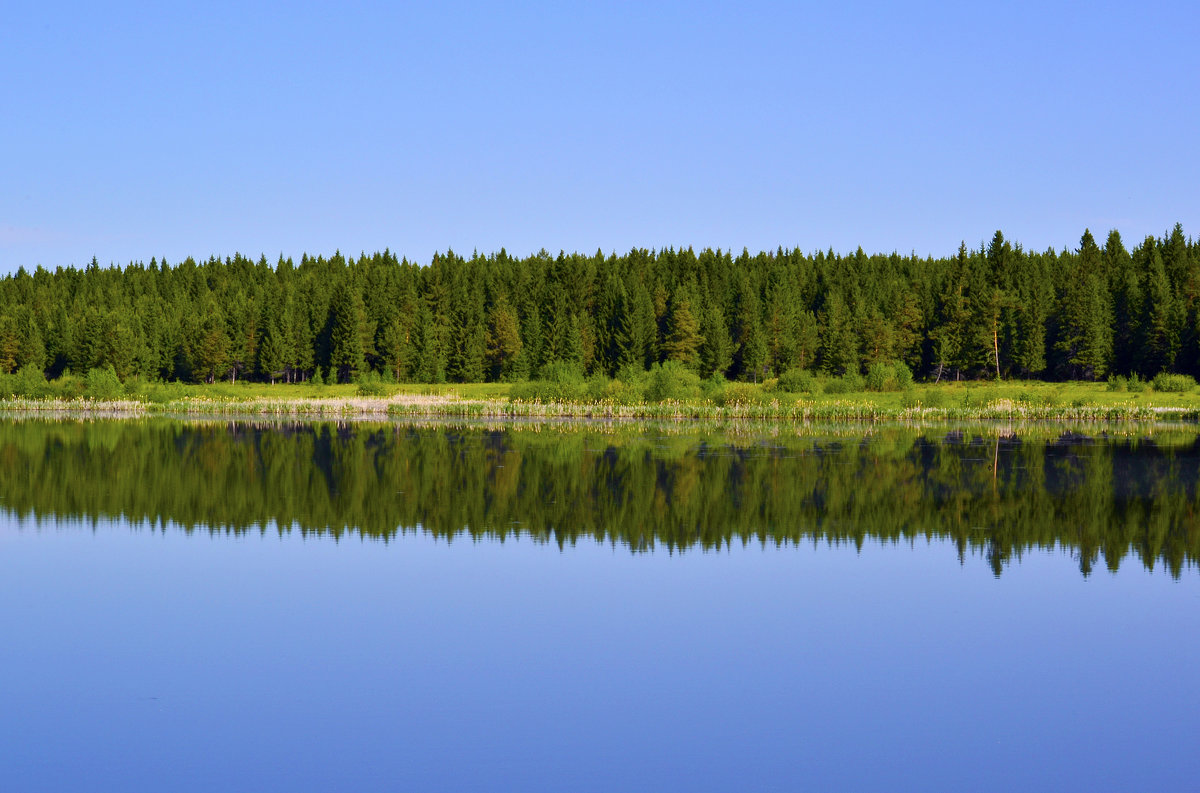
x=242, y=606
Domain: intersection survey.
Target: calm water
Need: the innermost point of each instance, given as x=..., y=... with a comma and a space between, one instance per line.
x=231, y=607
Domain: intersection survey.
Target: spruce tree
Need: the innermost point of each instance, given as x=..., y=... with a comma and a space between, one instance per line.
x=683, y=333
x=504, y=340
x=347, y=315
x=1085, y=338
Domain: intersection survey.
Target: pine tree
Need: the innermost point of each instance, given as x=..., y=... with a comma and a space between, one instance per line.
x=839, y=342
x=1085, y=341
x=210, y=352
x=643, y=329
x=504, y=340
x=1159, y=324
x=716, y=351
x=683, y=333
x=950, y=336
x=347, y=315
x=613, y=320
x=751, y=354
x=273, y=351
x=10, y=343
x=1126, y=290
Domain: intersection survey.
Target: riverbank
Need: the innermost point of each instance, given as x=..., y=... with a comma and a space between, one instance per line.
x=984, y=401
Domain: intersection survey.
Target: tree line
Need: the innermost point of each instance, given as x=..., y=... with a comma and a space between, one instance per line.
x=995, y=311
x=1104, y=500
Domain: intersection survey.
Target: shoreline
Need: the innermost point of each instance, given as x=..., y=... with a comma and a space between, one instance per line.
x=429, y=406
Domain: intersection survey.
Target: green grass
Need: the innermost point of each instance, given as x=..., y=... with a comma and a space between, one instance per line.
x=708, y=400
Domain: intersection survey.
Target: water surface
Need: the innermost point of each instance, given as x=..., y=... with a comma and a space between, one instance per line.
x=314, y=607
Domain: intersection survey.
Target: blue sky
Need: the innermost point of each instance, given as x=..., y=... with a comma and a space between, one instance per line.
x=139, y=130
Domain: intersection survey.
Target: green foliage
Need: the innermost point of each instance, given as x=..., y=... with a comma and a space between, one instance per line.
x=742, y=394
x=563, y=372
x=370, y=384
x=849, y=383
x=798, y=381
x=895, y=376
x=30, y=381
x=1173, y=383
x=560, y=381
x=672, y=380
x=657, y=489
x=102, y=384
x=1120, y=383
x=996, y=311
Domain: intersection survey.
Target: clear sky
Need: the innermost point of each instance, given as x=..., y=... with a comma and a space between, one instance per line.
x=136, y=130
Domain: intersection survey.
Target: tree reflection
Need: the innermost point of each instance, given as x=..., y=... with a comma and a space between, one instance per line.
x=992, y=494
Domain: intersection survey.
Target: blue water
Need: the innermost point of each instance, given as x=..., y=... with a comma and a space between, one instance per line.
x=133, y=659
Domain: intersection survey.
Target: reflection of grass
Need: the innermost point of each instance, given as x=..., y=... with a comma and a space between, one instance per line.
x=1003, y=401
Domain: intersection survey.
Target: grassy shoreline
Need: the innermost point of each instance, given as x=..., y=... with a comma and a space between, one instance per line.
x=975, y=401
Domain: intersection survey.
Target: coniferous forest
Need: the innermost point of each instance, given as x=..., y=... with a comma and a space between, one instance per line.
x=998, y=310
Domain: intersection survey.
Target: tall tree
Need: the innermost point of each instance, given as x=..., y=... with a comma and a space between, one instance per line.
x=347, y=317
x=1085, y=340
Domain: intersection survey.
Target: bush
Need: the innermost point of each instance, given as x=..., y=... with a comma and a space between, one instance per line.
x=103, y=384
x=934, y=398
x=849, y=383
x=1120, y=383
x=561, y=372
x=370, y=384
x=548, y=391
x=879, y=375
x=798, y=381
x=1173, y=383
x=672, y=380
x=714, y=386
x=894, y=376
x=30, y=381
x=316, y=378
x=622, y=392
x=741, y=394
x=162, y=393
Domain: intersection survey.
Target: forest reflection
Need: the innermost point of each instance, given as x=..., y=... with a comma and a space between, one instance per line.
x=992, y=493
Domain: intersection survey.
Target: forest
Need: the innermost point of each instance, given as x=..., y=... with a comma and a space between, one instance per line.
x=996, y=311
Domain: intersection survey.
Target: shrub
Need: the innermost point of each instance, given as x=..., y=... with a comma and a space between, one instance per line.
x=30, y=381
x=548, y=391
x=631, y=373
x=714, y=386
x=672, y=380
x=1117, y=383
x=1173, y=383
x=370, y=384
x=879, y=374
x=895, y=376
x=162, y=393
x=741, y=394
x=934, y=398
x=1135, y=384
x=561, y=372
x=798, y=381
x=102, y=384
x=849, y=383
x=560, y=381
x=622, y=392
